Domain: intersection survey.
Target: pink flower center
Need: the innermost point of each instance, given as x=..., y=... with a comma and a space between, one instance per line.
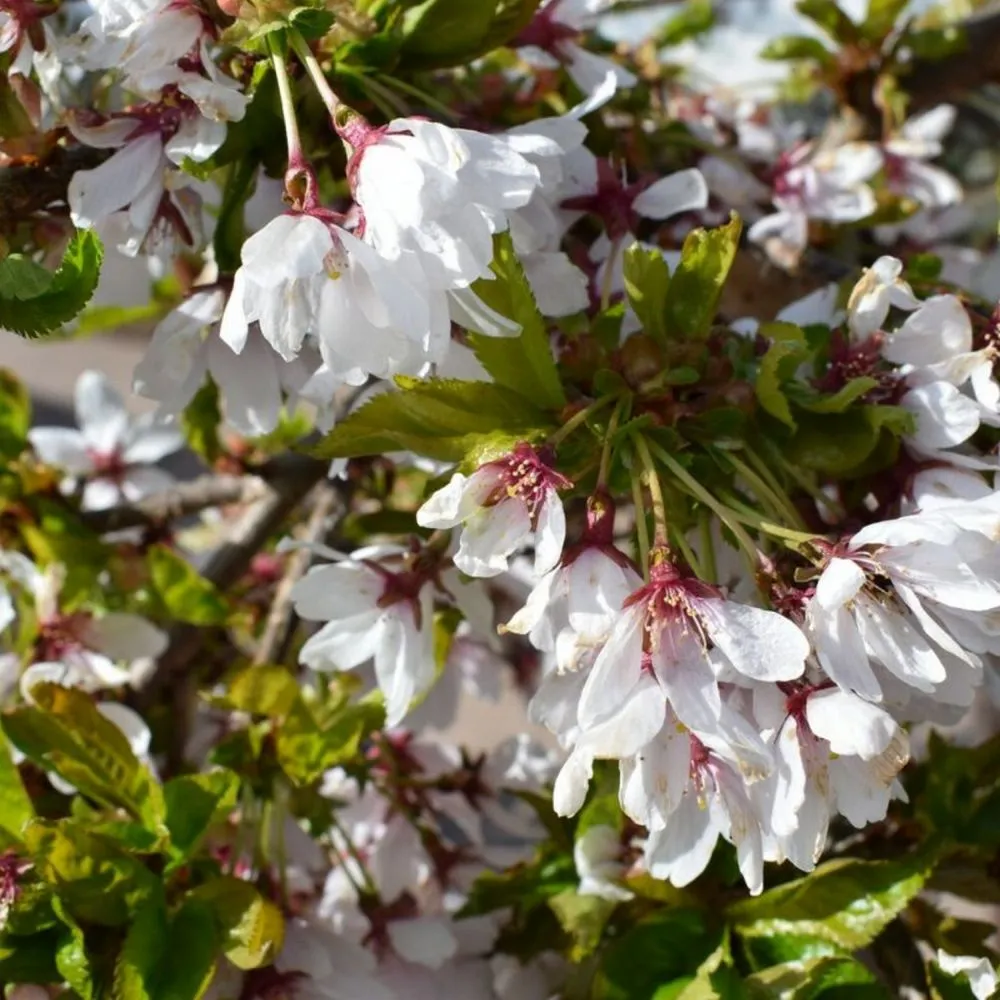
x=61, y=635
x=525, y=475
x=546, y=32
x=109, y=464
x=668, y=602
x=612, y=201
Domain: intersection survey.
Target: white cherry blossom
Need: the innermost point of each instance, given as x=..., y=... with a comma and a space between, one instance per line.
x=112, y=453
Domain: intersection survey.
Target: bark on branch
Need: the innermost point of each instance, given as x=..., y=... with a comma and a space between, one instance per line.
x=179, y=501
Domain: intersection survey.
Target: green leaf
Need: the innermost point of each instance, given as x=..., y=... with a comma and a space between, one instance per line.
x=442, y=32
x=647, y=282
x=32, y=304
x=830, y=18
x=845, y=902
x=251, y=926
x=230, y=230
x=72, y=960
x=807, y=980
x=696, y=285
x=583, y=918
x=835, y=443
x=439, y=33
x=63, y=731
x=693, y=19
x=194, y=933
x=778, y=365
x=194, y=802
x=261, y=690
x=791, y=47
x=665, y=947
x=307, y=749
x=836, y=402
x=524, y=363
x=30, y=959
x=95, y=881
x=881, y=17
x=312, y=22
x=145, y=945
x=186, y=595
x=715, y=978
x=16, y=809
x=439, y=418
x=200, y=422
x=15, y=414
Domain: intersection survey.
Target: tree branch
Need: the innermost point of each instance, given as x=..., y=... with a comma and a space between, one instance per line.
x=179, y=501
x=328, y=498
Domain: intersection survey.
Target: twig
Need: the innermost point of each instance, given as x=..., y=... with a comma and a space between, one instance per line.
x=286, y=489
x=279, y=617
x=179, y=501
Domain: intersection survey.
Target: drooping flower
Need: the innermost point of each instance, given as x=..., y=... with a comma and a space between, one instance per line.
x=907, y=171
x=111, y=453
x=503, y=506
x=436, y=195
x=302, y=274
x=597, y=857
x=880, y=288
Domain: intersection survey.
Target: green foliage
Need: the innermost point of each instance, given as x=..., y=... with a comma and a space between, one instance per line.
x=35, y=301
x=583, y=918
x=200, y=422
x=15, y=415
x=957, y=792
x=438, y=33
x=193, y=802
x=64, y=732
x=840, y=907
x=792, y=47
x=693, y=295
x=693, y=19
x=811, y=978
x=16, y=809
x=830, y=17
x=251, y=926
x=647, y=284
x=186, y=596
x=446, y=419
x=525, y=363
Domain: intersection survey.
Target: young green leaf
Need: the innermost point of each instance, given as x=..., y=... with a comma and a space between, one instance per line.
x=792, y=47
x=193, y=802
x=807, y=980
x=583, y=918
x=34, y=302
x=63, y=731
x=137, y=966
x=15, y=805
x=251, y=926
x=94, y=880
x=193, y=932
x=524, y=363
x=15, y=415
x=185, y=594
x=647, y=283
x=846, y=902
x=439, y=418
x=696, y=285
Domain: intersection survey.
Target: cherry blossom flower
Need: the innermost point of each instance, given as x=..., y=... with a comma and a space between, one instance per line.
x=881, y=287
x=597, y=858
x=502, y=507
x=906, y=156
x=980, y=972
x=437, y=195
x=825, y=185
x=79, y=648
x=667, y=629
x=552, y=40
x=186, y=347
x=111, y=453
x=302, y=274
x=371, y=613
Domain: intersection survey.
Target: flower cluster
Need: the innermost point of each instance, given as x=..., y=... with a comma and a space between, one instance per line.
x=499, y=414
